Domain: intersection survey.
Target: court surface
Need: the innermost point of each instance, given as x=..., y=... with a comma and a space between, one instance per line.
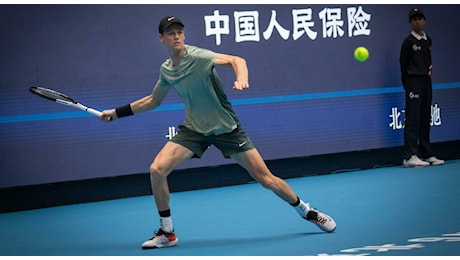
x=379, y=212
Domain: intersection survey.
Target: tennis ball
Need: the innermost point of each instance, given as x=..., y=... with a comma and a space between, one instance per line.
x=361, y=54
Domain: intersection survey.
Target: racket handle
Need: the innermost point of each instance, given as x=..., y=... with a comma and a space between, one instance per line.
x=94, y=112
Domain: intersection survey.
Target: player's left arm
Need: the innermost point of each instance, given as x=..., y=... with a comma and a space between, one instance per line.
x=239, y=67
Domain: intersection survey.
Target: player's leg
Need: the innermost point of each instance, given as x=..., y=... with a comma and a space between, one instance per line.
x=170, y=156
x=182, y=147
x=253, y=162
x=255, y=165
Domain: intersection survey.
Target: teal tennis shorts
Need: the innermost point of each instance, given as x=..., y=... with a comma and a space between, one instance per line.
x=230, y=143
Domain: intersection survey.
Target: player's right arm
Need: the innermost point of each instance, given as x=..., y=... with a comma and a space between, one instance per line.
x=144, y=104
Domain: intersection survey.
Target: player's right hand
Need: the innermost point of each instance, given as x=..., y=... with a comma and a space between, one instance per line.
x=108, y=115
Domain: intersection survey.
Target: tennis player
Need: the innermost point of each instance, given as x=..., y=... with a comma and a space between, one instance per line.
x=209, y=120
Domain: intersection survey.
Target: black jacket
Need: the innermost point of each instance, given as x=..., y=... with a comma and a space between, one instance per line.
x=415, y=57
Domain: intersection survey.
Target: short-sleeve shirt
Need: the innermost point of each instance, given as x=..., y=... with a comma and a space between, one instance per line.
x=207, y=110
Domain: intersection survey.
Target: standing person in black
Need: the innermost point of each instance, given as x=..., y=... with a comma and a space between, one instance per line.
x=416, y=68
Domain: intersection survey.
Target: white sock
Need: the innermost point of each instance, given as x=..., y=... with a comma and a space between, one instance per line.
x=302, y=209
x=166, y=224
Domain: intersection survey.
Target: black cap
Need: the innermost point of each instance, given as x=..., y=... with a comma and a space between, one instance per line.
x=416, y=12
x=168, y=21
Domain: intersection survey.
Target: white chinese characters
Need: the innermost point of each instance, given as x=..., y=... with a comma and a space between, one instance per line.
x=397, y=117
x=247, y=27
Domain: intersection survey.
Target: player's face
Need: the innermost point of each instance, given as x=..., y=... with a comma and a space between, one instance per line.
x=174, y=37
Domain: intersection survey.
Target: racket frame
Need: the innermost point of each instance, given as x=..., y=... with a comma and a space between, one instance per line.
x=62, y=99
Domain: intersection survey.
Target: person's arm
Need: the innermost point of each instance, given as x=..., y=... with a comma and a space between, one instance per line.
x=144, y=104
x=403, y=63
x=239, y=67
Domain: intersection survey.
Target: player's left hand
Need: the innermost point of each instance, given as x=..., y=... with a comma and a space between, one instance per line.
x=240, y=85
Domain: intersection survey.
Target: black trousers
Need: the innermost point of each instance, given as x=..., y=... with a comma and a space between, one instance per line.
x=419, y=94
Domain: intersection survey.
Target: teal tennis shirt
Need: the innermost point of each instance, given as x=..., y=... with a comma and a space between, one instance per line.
x=207, y=109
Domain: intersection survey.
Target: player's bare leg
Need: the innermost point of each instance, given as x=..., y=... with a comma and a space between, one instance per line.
x=252, y=161
x=255, y=165
x=165, y=162
x=170, y=156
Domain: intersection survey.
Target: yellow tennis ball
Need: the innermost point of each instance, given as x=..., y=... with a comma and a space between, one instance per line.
x=361, y=54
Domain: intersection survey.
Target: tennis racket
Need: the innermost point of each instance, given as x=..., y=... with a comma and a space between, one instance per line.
x=61, y=99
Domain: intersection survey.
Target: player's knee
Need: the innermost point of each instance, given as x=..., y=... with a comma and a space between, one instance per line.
x=268, y=183
x=157, y=171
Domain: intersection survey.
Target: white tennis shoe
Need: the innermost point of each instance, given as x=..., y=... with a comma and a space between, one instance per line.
x=323, y=221
x=161, y=239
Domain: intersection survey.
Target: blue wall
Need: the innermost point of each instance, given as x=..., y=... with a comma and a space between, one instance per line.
x=308, y=95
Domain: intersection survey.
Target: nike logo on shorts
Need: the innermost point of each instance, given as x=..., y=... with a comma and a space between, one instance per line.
x=243, y=143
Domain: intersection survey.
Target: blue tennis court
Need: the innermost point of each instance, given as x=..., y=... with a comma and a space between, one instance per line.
x=379, y=212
